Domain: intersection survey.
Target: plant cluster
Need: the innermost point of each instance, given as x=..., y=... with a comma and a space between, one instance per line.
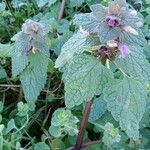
x=74, y=74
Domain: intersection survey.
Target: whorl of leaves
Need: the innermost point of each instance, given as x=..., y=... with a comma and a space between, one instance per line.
x=30, y=58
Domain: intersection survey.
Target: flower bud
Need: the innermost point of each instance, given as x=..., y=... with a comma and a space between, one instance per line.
x=139, y=24
x=33, y=28
x=133, y=12
x=112, y=43
x=34, y=50
x=124, y=50
x=83, y=31
x=130, y=30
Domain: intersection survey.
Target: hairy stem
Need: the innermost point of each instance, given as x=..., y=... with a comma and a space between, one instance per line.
x=87, y=144
x=83, y=124
x=62, y=8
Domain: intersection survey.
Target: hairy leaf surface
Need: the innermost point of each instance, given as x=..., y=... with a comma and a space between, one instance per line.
x=99, y=11
x=99, y=107
x=87, y=21
x=107, y=33
x=135, y=64
x=85, y=78
x=76, y=44
x=126, y=99
x=131, y=39
x=19, y=57
x=34, y=77
x=5, y=50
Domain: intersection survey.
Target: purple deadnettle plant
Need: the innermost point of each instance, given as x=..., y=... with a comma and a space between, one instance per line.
x=105, y=58
x=117, y=22
x=35, y=33
x=34, y=29
x=30, y=57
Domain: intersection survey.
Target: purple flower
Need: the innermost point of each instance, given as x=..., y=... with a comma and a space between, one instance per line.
x=112, y=21
x=124, y=50
x=34, y=29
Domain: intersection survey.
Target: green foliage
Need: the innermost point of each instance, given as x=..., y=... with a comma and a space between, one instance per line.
x=103, y=52
x=3, y=74
x=19, y=59
x=18, y=3
x=22, y=109
x=62, y=122
x=85, y=77
x=57, y=143
x=78, y=43
x=126, y=99
x=96, y=22
x=30, y=59
x=98, y=109
x=34, y=77
x=111, y=135
x=41, y=145
x=10, y=126
x=75, y=3
x=41, y=3
x=135, y=64
x=5, y=50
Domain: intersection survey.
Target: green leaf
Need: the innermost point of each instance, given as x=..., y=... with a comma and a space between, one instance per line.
x=1, y=106
x=87, y=21
x=1, y=142
x=135, y=64
x=147, y=1
x=55, y=131
x=18, y=3
x=5, y=50
x=147, y=10
x=111, y=134
x=59, y=42
x=147, y=19
x=22, y=109
x=106, y=33
x=41, y=45
x=63, y=121
x=34, y=76
x=41, y=3
x=106, y=117
x=78, y=43
x=58, y=144
x=85, y=77
x=75, y=3
x=99, y=107
x=99, y=11
x=3, y=74
x=131, y=39
x=2, y=7
x=61, y=117
x=10, y=126
x=19, y=57
x=18, y=146
x=126, y=99
x=50, y=66
x=130, y=20
x=41, y=146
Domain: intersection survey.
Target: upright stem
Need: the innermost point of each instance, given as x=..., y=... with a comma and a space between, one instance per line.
x=83, y=124
x=61, y=13
x=87, y=144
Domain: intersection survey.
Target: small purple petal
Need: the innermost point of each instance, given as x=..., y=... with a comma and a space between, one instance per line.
x=124, y=50
x=112, y=21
